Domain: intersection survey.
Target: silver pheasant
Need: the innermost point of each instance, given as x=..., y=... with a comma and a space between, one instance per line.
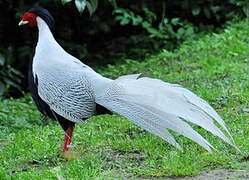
x=69, y=91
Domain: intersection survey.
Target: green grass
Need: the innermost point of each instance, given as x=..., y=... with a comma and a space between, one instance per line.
x=215, y=67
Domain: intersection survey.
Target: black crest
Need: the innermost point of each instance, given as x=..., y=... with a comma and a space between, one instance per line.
x=45, y=15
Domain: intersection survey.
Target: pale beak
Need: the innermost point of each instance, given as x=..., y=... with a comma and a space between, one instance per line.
x=22, y=22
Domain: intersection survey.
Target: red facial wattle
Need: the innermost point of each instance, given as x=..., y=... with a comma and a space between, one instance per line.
x=31, y=18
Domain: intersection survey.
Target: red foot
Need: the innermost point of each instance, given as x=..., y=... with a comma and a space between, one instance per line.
x=67, y=139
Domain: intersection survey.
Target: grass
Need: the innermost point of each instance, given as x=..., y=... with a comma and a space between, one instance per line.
x=110, y=147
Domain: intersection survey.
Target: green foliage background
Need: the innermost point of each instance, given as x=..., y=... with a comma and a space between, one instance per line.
x=111, y=147
x=106, y=32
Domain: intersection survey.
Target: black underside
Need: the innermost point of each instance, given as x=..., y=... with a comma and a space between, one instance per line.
x=44, y=108
x=102, y=110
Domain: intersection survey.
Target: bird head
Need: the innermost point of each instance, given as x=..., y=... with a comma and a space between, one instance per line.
x=30, y=17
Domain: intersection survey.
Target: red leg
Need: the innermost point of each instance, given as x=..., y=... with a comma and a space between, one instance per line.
x=67, y=139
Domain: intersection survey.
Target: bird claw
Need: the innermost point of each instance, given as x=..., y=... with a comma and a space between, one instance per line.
x=70, y=155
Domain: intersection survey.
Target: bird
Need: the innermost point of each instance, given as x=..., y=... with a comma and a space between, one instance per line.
x=69, y=91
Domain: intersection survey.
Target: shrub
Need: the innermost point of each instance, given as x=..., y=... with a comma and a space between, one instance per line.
x=115, y=29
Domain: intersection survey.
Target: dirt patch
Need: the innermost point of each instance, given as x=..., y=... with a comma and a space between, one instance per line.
x=217, y=174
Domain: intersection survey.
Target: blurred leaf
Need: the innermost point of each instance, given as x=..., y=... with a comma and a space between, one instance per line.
x=246, y=11
x=215, y=9
x=137, y=20
x=2, y=88
x=11, y=82
x=196, y=11
x=207, y=12
x=92, y=6
x=150, y=16
x=124, y=21
x=2, y=60
x=80, y=5
x=180, y=32
x=189, y=31
x=25, y=50
x=165, y=20
x=65, y=1
x=16, y=72
x=175, y=21
x=146, y=25
x=113, y=3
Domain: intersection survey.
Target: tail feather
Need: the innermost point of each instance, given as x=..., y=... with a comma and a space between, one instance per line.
x=202, y=105
x=157, y=106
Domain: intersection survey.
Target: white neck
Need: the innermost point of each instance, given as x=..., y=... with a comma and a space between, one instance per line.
x=45, y=36
x=44, y=31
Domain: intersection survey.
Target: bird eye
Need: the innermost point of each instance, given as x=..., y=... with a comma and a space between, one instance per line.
x=30, y=17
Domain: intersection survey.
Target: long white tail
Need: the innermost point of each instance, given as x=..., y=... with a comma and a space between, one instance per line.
x=157, y=106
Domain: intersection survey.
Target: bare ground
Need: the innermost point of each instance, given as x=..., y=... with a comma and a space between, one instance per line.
x=217, y=174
